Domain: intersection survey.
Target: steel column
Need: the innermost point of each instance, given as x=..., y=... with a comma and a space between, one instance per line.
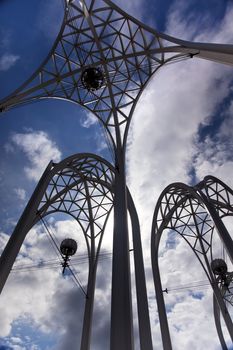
x=166, y=339
x=121, y=307
x=140, y=281
x=26, y=221
x=218, y=323
x=88, y=313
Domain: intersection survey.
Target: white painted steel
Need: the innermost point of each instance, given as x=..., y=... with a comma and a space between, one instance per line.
x=127, y=69
x=181, y=201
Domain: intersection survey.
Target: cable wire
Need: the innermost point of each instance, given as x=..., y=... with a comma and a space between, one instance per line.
x=46, y=265
x=75, y=276
x=57, y=249
x=55, y=245
x=193, y=285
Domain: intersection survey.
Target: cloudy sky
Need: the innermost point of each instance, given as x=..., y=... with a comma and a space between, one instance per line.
x=181, y=131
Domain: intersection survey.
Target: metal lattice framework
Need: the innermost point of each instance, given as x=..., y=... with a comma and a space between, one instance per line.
x=194, y=213
x=220, y=195
x=97, y=33
x=82, y=186
x=187, y=216
x=102, y=59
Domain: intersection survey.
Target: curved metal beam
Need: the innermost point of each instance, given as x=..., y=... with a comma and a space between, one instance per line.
x=179, y=194
x=87, y=169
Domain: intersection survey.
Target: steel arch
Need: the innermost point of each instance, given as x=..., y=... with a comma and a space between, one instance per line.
x=97, y=33
x=82, y=186
x=184, y=209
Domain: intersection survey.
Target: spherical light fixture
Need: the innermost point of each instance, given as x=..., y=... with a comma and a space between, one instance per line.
x=68, y=248
x=92, y=78
x=219, y=267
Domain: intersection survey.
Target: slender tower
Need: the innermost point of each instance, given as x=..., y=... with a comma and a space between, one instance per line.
x=103, y=59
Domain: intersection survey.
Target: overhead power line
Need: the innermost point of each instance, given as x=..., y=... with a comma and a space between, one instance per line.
x=58, y=252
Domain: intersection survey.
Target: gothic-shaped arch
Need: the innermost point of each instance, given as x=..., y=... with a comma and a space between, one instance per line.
x=83, y=186
x=187, y=211
x=219, y=194
x=80, y=186
x=102, y=59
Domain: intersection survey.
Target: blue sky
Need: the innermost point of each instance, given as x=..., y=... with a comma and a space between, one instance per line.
x=181, y=131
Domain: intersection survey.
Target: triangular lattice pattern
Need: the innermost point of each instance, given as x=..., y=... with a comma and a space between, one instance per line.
x=184, y=213
x=220, y=195
x=81, y=186
x=98, y=34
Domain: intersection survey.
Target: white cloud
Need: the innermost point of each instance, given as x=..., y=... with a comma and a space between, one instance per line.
x=39, y=149
x=7, y=61
x=16, y=340
x=214, y=153
x=161, y=149
x=167, y=119
x=3, y=240
x=89, y=120
x=49, y=302
x=21, y=193
x=212, y=160
x=136, y=8
x=102, y=142
x=100, y=137
x=46, y=298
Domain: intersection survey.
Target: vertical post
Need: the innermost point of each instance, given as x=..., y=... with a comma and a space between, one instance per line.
x=88, y=313
x=121, y=307
x=24, y=224
x=218, y=323
x=167, y=345
x=155, y=239
x=140, y=281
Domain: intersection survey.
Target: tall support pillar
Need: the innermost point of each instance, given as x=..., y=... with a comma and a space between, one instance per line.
x=88, y=313
x=140, y=281
x=218, y=323
x=24, y=224
x=121, y=308
x=166, y=339
x=165, y=333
